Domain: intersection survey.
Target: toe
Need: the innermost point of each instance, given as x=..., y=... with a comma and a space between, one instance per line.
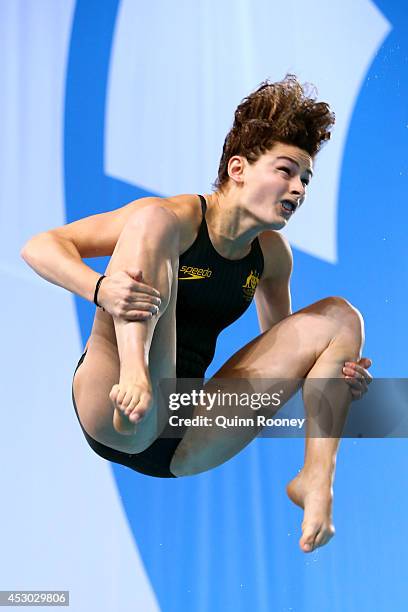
x=114, y=392
x=307, y=541
x=321, y=539
x=323, y=536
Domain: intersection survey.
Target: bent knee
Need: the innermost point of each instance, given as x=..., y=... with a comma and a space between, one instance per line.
x=155, y=221
x=346, y=319
x=349, y=320
x=344, y=310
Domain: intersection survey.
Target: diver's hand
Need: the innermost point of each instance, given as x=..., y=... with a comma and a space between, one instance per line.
x=124, y=295
x=357, y=376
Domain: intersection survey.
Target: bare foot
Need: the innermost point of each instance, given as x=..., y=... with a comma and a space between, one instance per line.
x=131, y=400
x=315, y=496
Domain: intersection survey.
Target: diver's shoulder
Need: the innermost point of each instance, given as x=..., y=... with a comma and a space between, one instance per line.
x=277, y=253
x=187, y=208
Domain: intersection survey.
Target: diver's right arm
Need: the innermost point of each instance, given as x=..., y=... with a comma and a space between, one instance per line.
x=56, y=255
x=58, y=261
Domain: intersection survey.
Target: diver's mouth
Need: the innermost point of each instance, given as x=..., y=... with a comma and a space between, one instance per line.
x=288, y=206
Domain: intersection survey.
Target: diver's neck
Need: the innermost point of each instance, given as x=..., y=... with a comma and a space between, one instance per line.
x=230, y=227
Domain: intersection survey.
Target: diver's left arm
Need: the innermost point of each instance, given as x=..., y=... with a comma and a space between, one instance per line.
x=273, y=302
x=272, y=295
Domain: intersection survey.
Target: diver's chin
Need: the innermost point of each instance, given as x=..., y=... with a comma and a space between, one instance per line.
x=278, y=224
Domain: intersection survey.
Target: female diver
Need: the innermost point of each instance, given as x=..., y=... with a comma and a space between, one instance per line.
x=181, y=269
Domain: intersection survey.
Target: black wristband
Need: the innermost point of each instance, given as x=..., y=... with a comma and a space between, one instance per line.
x=100, y=279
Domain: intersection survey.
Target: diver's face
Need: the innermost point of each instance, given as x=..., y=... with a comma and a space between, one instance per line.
x=275, y=185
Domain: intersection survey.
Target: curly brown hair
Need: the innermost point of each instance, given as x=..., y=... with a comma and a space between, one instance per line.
x=286, y=112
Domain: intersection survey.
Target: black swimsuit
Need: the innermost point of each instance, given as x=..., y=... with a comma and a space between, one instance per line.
x=212, y=292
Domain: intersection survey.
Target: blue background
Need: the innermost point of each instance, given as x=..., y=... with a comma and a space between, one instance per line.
x=227, y=540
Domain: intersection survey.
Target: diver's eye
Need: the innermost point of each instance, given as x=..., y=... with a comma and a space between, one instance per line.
x=305, y=182
x=286, y=170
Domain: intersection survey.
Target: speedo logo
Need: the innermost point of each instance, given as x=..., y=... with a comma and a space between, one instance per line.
x=191, y=273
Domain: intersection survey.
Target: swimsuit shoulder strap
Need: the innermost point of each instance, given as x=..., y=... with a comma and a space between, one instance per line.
x=203, y=204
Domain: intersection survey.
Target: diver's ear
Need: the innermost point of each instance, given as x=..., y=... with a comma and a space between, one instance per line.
x=236, y=168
